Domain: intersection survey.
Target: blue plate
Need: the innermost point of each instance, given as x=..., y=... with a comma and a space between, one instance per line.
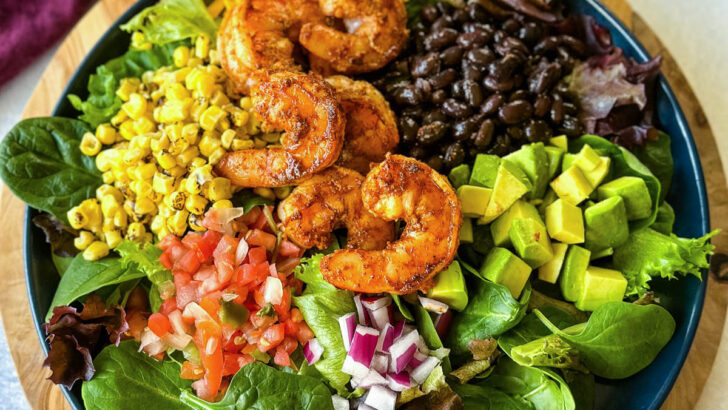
x=684, y=298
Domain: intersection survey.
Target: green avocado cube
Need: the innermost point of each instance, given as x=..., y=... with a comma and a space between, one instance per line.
x=501, y=227
x=549, y=272
x=485, y=170
x=459, y=176
x=587, y=159
x=531, y=241
x=554, y=154
x=606, y=224
x=635, y=194
x=572, y=273
x=561, y=141
x=510, y=185
x=548, y=199
x=473, y=200
x=482, y=240
x=572, y=186
x=534, y=162
x=233, y=314
x=450, y=287
x=602, y=253
x=504, y=268
x=599, y=174
x=565, y=222
x=600, y=286
x=567, y=161
x=466, y=231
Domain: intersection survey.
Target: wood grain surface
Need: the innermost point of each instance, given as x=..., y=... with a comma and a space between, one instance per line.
x=14, y=309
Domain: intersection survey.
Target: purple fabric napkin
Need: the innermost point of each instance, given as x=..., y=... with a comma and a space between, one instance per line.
x=30, y=27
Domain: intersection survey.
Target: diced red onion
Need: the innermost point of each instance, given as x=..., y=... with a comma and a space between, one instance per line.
x=372, y=378
x=402, y=351
x=360, y=356
x=196, y=312
x=360, y=312
x=407, y=329
x=363, y=406
x=380, y=363
x=176, y=341
x=419, y=374
x=417, y=359
x=376, y=302
x=433, y=305
x=398, y=381
x=442, y=323
x=381, y=398
x=273, y=292
x=151, y=343
x=241, y=252
x=398, y=329
x=380, y=317
x=347, y=323
x=386, y=338
x=421, y=345
x=354, y=368
x=312, y=351
x=339, y=402
x=178, y=325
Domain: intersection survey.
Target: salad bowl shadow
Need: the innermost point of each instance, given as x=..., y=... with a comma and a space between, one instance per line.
x=684, y=299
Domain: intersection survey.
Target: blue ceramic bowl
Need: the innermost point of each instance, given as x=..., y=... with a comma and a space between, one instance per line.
x=684, y=298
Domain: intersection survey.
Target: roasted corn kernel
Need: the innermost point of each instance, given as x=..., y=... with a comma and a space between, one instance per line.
x=225, y=203
x=113, y=238
x=96, y=251
x=90, y=145
x=196, y=204
x=135, y=231
x=176, y=200
x=106, y=134
x=180, y=56
x=83, y=240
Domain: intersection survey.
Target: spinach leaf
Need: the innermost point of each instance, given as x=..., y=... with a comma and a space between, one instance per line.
x=172, y=20
x=120, y=293
x=582, y=387
x=427, y=330
x=247, y=200
x=61, y=263
x=656, y=155
x=541, y=301
x=102, y=102
x=491, y=311
x=648, y=253
x=403, y=309
x=620, y=338
x=665, y=219
x=41, y=163
x=127, y=379
x=257, y=386
x=488, y=398
x=531, y=328
x=624, y=163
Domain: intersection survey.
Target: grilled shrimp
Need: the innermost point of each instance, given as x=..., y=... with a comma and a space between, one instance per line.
x=402, y=188
x=376, y=31
x=371, y=128
x=306, y=107
x=262, y=35
x=331, y=200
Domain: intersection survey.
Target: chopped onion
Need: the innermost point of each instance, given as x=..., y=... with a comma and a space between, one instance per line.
x=376, y=302
x=196, y=312
x=372, y=378
x=360, y=312
x=407, y=329
x=151, y=343
x=272, y=270
x=339, y=402
x=380, y=363
x=354, y=368
x=380, y=317
x=273, y=292
x=442, y=323
x=359, y=358
x=381, y=398
x=433, y=305
x=312, y=351
x=398, y=381
x=398, y=329
x=420, y=373
x=422, y=346
x=386, y=338
x=402, y=351
x=417, y=359
x=365, y=407
x=218, y=219
x=176, y=341
x=178, y=325
x=241, y=252
x=347, y=323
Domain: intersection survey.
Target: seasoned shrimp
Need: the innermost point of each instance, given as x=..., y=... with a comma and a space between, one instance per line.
x=305, y=106
x=328, y=201
x=402, y=188
x=376, y=31
x=371, y=128
x=262, y=35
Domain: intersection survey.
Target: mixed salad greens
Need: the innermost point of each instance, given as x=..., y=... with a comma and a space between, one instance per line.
x=589, y=214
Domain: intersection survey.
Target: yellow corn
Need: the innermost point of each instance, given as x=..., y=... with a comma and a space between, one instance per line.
x=180, y=56
x=187, y=156
x=196, y=163
x=106, y=134
x=259, y=143
x=196, y=204
x=175, y=110
x=90, y=145
x=265, y=193
x=219, y=98
x=109, y=206
x=177, y=171
x=157, y=224
x=223, y=124
x=246, y=103
x=202, y=46
x=113, y=238
x=132, y=156
x=215, y=8
x=226, y=139
x=145, y=171
x=208, y=145
x=176, y=200
x=166, y=161
x=96, y=251
x=108, y=177
x=240, y=117
x=92, y=210
x=135, y=231
x=84, y=239
x=216, y=155
x=271, y=137
x=239, y=144
x=210, y=117
x=194, y=62
x=282, y=192
x=117, y=119
x=126, y=87
x=126, y=129
x=159, y=144
x=225, y=203
x=219, y=189
x=163, y=184
x=192, y=185
x=195, y=222
x=120, y=220
x=136, y=106
x=144, y=206
x=177, y=223
x=109, y=225
x=108, y=190
x=143, y=125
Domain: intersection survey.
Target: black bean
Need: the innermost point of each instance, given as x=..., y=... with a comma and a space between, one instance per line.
x=443, y=78
x=451, y=55
x=482, y=56
x=423, y=88
x=546, y=45
x=511, y=25
x=515, y=112
x=441, y=23
x=454, y=155
x=519, y=95
x=436, y=162
x=460, y=16
x=472, y=72
x=418, y=152
x=571, y=126
x=432, y=116
x=574, y=44
x=494, y=85
x=541, y=105
x=543, y=80
x=440, y=39
x=503, y=69
x=438, y=97
x=477, y=12
x=516, y=133
x=537, y=130
x=530, y=33
x=472, y=93
x=401, y=66
x=444, y=7
x=407, y=95
x=455, y=108
x=429, y=13
x=470, y=27
x=499, y=35
x=557, y=109
x=426, y=65
x=511, y=45
x=501, y=146
x=491, y=104
x=408, y=128
x=462, y=130
x=457, y=89
x=413, y=111
x=562, y=88
x=431, y=133
x=484, y=136
x=476, y=38
x=570, y=108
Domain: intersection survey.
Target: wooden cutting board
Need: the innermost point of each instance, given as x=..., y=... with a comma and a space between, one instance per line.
x=14, y=309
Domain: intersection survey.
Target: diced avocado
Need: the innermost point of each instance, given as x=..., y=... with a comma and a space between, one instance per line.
x=599, y=174
x=503, y=267
x=233, y=314
x=534, y=162
x=450, y=287
x=482, y=240
x=567, y=161
x=473, y=200
x=531, y=241
x=635, y=194
x=606, y=224
x=466, y=231
x=561, y=141
x=602, y=253
x=510, y=185
x=260, y=356
x=572, y=273
x=550, y=271
x=501, y=227
x=565, y=222
x=572, y=186
x=485, y=170
x=460, y=175
x=587, y=159
x=600, y=286
x=555, y=154
x=548, y=199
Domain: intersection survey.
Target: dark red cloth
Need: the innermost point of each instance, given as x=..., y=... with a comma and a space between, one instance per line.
x=30, y=27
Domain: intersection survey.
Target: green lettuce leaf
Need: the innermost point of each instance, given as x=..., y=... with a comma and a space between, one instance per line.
x=665, y=219
x=173, y=20
x=488, y=398
x=656, y=155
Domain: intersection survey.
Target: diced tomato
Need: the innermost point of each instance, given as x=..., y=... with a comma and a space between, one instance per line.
x=286, y=266
x=289, y=344
x=257, y=237
x=159, y=324
x=271, y=338
x=281, y=358
x=253, y=275
x=284, y=307
x=224, y=257
x=252, y=216
x=169, y=241
x=210, y=349
x=137, y=321
x=232, y=362
x=261, y=222
x=188, y=263
x=248, y=349
x=234, y=342
x=240, y=291
x=208, y=243
x=211, y=306
x=165, y=260
x=168, y=306
x=186, y=293
x=262, y=322
x=291, y=328
x=258, y=295
x=304, y=333
x=191, y=371
x=288, y=248
x=296, y=315
x=257, y=255
x=176, y=252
